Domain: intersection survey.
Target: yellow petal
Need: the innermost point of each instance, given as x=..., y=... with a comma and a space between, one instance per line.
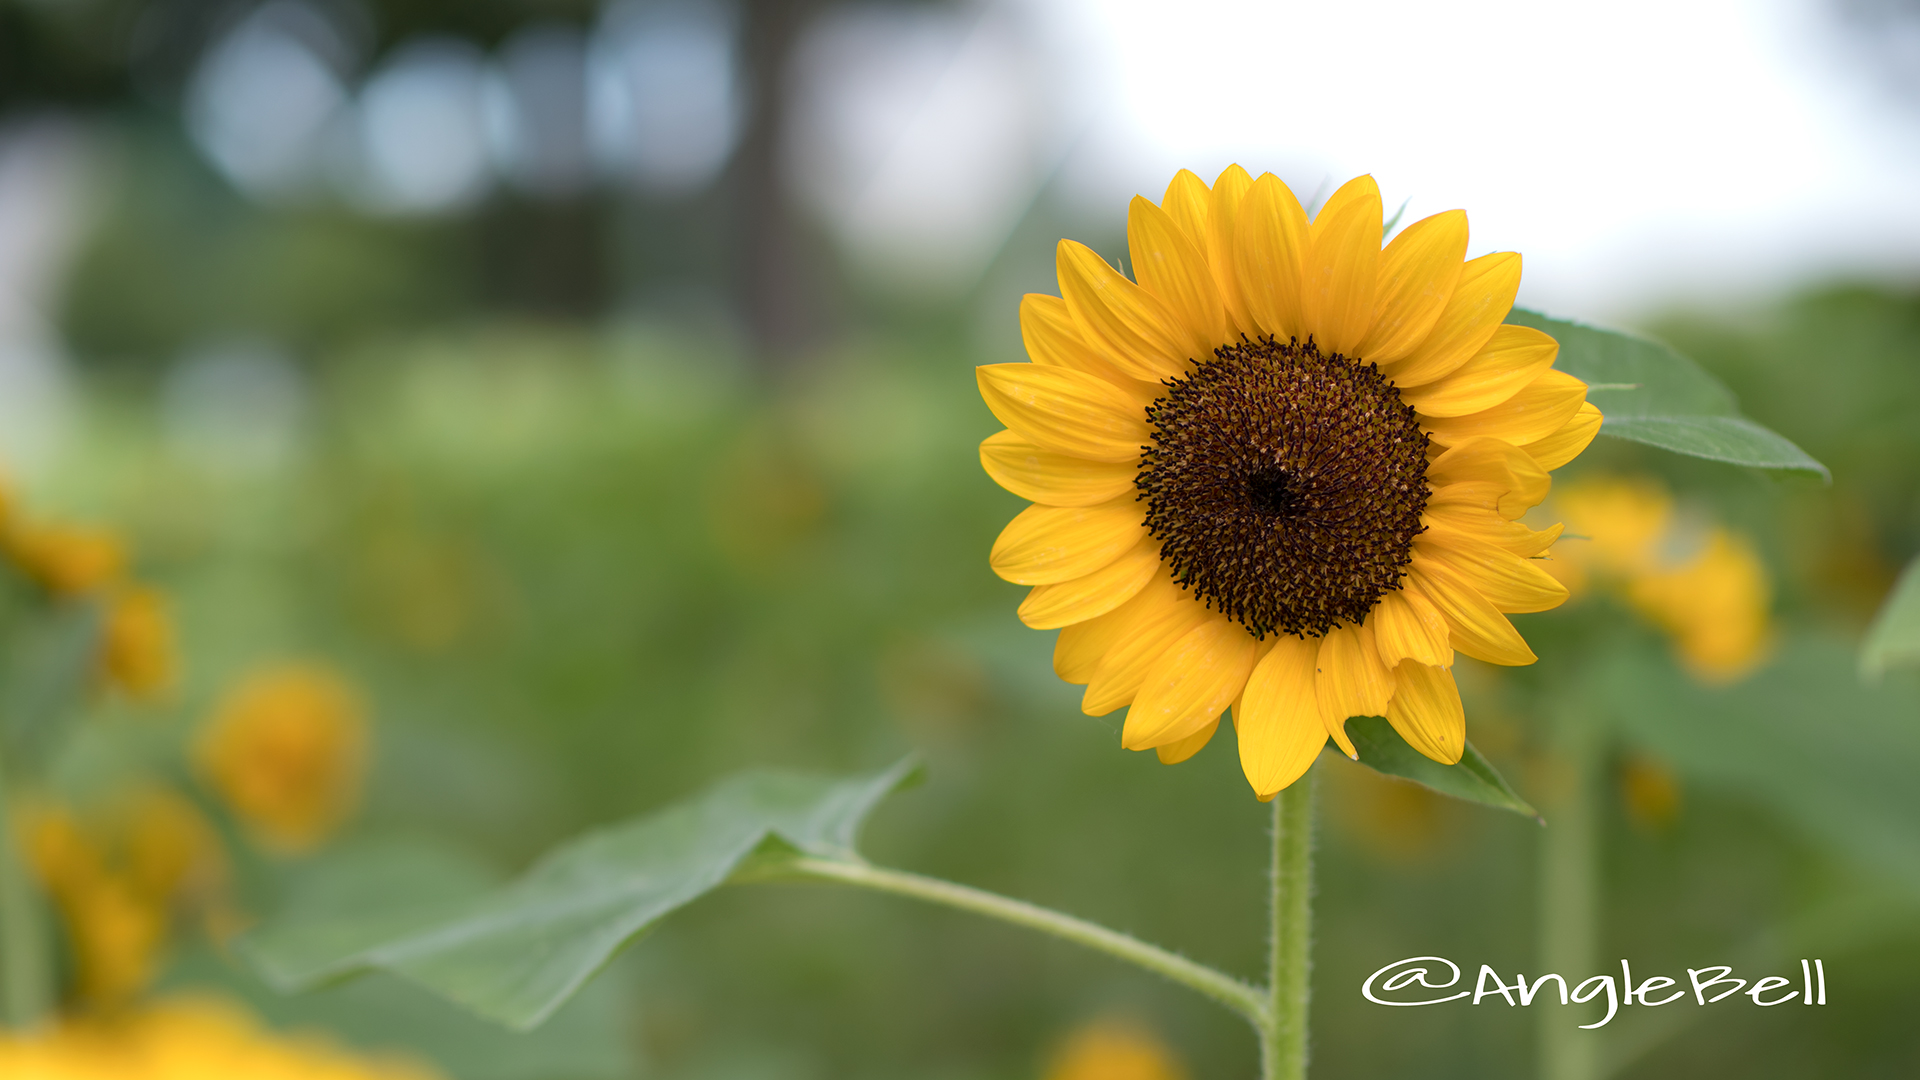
x=1507, y=581
x=1468, y=495
x=1566, y=444
x=1186, y=202
x=1476, y=627
x=1080, y=648
x=1541, y=408
x=1065, y=411
x=1191, y=684
x=1514, y=357
x=1046, y=544
x=1340, y=276
x=1052, y=479
x=1171, y=268
x=1407, y=627
x=1175, y=753
x=1426, y=711
x=1268, y=249
x=1503, y=477
x=1350, y=680
x=1487, y=527
x=1053, y=339
x=1479, y=304
x=1278, y=717
x=1069, y=602
x=1129, y=326
x=1223, y=225
x=1134, y=653
x=1418, y=273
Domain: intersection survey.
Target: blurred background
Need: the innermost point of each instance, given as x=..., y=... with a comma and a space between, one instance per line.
x=584, y=389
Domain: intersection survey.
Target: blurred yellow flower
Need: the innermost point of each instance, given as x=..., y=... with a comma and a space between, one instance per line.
x=1709, y=592
x=137, y=641
x=1714, y=605
x=188, y=1039
x=116, y=876
x=1650, y=791
x=138, y=652
x=1114, y=1050
x=68, y=559
x=287, y=751
x=1617, y=524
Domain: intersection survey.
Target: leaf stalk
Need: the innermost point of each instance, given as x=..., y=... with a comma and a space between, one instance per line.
x=1249, y=1001
x=1277, y=1011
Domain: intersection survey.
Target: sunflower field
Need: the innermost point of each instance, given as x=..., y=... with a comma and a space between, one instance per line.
x=576, y=637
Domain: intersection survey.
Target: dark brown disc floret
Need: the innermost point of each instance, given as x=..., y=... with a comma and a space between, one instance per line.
x=1285, y=485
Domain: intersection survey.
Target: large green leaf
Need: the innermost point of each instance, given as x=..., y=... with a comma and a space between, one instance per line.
x=587, y=1039
x=1650, y=394
x=1894, y=638
x=359, y=899
x=517, y=953
x=1473, y=779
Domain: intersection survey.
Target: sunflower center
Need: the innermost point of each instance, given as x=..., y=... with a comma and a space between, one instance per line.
x=1285, y=485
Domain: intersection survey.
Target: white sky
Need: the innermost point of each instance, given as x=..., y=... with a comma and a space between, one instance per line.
x=1637, y=152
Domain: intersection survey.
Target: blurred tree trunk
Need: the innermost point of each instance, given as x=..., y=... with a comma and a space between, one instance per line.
x=776, y=266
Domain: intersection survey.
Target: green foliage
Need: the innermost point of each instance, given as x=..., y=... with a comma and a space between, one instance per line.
x=1803, y=736
x=49, y=666
x=516, y=954
x=1472, y=778
x=1834, y=370
x=181, y=260
x=1650, y=394
x=50, y=656
x=575, y=571
x=1894, y=638
x=585, y=1040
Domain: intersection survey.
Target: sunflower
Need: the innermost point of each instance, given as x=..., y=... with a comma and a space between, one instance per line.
x=137, y=649
x=117, y=874
x=1701, y=582
x=1279, y=471
x=287, y=751
x=1114, y=1049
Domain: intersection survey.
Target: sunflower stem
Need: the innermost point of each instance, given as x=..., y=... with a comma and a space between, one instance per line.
x=1568, y=897
x=1250, y=1002
x=1283, y=1043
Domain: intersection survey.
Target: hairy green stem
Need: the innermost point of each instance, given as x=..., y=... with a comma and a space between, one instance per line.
x=1248, y=1001
x=1569, y=896
x=1284, y=1045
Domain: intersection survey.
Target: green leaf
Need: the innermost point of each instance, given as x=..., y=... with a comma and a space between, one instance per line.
x=1650, y=394
x=1894, y=638
x=358, y=899
x=587, y=1039
x=515, y=954
x=1473, y=779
